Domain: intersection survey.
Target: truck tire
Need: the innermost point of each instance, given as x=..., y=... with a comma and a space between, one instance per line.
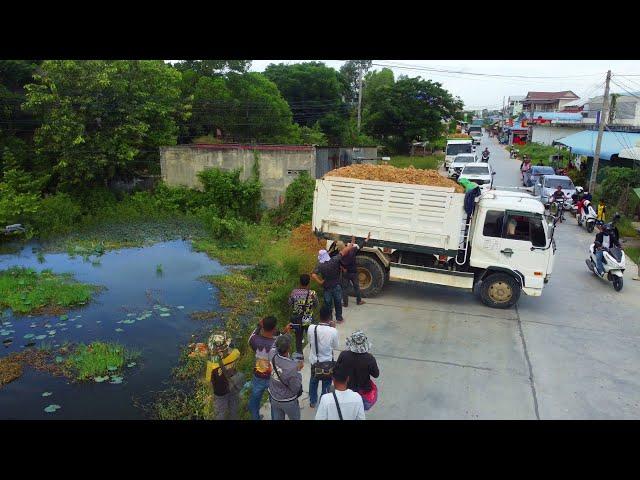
x=371, y=276
x=500, y=290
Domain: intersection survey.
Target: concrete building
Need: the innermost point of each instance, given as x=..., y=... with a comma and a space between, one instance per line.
x=279, y=164
x=548, y=101
x=626, y=110
x=548, y=133
x=515, y=105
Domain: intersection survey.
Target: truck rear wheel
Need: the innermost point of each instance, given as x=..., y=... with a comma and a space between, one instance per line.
x=500, y=290
x=371, y=276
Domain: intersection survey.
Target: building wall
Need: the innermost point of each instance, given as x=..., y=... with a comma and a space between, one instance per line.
x=279, y=165
x=547, y=134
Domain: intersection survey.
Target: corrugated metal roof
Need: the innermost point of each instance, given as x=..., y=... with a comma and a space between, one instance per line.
x=584, y=143
x=550, y=95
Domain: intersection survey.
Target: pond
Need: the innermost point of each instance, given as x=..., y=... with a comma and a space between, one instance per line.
x=148, y=296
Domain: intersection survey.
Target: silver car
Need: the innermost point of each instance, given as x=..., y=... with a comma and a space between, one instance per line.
x=547, y=184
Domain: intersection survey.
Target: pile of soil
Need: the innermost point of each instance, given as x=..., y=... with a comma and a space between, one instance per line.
x=387, y=173
x=303, y=240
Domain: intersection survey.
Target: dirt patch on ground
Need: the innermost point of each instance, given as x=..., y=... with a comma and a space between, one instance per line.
x=304, y=241
x=387, y=173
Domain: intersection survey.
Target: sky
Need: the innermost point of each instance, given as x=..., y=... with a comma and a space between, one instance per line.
x=584, y=77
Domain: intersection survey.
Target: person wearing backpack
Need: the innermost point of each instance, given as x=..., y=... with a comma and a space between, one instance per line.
x=225, y=379
x=302, y=301
x=323, y=339
x=342, y=403
x=359, y=365
x=285, y=384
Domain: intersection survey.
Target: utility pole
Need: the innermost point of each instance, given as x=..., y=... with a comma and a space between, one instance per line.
x=359, y=97
x=603, y=119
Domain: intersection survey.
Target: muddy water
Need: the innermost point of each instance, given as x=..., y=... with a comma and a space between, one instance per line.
x=151, y=308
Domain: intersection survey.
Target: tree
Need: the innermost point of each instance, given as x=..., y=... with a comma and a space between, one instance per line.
x=103, y=118
x=210, y=68
x=408, y=109
x=314, y=93
x=349, y=75
x=259, y=113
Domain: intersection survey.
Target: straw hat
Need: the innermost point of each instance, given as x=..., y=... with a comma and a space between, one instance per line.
x=358, y=342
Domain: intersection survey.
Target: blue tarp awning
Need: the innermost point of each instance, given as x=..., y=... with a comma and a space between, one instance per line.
x=584, y=143
x=558, y=116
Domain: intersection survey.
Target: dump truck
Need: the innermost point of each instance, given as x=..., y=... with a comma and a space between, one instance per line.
x=423, y=234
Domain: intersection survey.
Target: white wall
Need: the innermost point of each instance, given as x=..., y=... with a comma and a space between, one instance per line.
x=546, y=134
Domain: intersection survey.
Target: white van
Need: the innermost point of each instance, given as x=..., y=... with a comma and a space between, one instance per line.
x=456, y=147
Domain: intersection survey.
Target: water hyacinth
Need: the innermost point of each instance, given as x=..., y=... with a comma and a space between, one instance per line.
x=52, y=408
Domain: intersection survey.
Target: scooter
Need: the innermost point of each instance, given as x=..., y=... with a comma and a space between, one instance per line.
x=613, y=263
x=589, y=218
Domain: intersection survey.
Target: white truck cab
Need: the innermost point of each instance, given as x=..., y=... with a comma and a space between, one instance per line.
x=456, y=147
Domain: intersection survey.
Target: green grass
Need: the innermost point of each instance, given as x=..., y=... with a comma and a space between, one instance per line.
x=27, y=291
x=540, y=153
x=633, y=253
x=97, y=359
x=625, y=227
x=430, y=162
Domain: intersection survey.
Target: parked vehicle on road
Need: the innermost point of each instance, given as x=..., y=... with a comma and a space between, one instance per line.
x=536, y=172
x=480, y=173
x=423, y=234
x=456, y=147
x=459, y=162
x=547, y=184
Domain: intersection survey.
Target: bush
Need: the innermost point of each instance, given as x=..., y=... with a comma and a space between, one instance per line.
x=176, y=199
x=225, y=229
x=616, y=188
x=57, y=214
x=19, y=198
x=298, y=203
x=578, y=178
x=229, y=195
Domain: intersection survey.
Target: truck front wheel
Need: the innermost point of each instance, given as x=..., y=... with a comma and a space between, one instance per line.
x=371, y=276
x=500, y=290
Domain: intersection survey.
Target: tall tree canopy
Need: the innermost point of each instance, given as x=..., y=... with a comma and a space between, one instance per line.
x=101, y=117
x=349, y=73
x=314, y=93
x=407, y=109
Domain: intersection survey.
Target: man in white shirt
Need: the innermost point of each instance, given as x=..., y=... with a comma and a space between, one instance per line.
x=341, y=404
x=327, y=342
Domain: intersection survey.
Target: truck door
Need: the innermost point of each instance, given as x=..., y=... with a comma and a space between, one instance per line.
x=522, y=231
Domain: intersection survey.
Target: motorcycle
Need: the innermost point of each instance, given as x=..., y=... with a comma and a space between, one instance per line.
x=588, y=217
x=613, y=262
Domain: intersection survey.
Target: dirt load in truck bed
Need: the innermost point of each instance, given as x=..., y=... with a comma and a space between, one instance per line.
x=387, y=173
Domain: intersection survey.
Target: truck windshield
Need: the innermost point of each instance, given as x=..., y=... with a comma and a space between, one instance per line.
x=470, y=170
x=455, y=149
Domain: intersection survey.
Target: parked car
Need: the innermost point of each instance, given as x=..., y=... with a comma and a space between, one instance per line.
x=547, y=184
x=480, y=173
x=535, y=173
x=460, y=161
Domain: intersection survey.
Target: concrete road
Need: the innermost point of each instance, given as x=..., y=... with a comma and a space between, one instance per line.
x=570, y=354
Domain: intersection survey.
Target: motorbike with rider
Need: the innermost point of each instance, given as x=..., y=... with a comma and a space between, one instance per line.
x=485, y=155
x=606, y=258
x=557, y=201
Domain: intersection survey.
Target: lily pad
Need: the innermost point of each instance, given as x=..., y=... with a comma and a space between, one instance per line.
x=59, y=359
x=29, y=335
x=41, y=337
x=5, y=332
x=64, y=318
x=165, y=314
x=52, y=408
x=79, y=326
x=119, y=330
x=101, y=379
x=112, y=368
x=128, y=322
x=51, y=332
x=47, y=394
x=47, y=325
x=129, y=314
x=63, y=328
x=116, y=379
x=98, y=321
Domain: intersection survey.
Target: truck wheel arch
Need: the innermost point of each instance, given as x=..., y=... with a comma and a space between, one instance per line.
x=518, y=276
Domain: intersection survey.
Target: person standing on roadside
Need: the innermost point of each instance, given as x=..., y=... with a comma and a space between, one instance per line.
x=302, y=301
x=359, y=365
x=329, y=268
x=226, y=399
x=285, y=384
x=342, y=403
x=325, y=335
x=261, y=342
x=350, y=270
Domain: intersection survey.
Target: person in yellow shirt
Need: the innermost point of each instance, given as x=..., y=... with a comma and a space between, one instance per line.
x=226, y=380
x=602, y=210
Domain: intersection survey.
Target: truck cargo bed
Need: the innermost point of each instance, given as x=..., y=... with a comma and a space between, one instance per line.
x=396, y=214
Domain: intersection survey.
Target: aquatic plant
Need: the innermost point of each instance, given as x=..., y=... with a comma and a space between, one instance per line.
x=97, y=359
x=26, y=291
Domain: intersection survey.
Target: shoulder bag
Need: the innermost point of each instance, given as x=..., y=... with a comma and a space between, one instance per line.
x=337, y=405
x=235, y=379
x=273, y=362
x=322, y=370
